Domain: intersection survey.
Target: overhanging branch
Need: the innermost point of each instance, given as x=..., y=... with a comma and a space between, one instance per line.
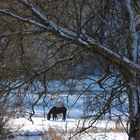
x=83, y=40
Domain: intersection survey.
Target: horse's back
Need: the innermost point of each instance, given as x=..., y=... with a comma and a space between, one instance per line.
x=62, y=108
x=59, y=109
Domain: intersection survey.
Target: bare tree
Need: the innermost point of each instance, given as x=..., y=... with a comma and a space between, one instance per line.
x=107, y=28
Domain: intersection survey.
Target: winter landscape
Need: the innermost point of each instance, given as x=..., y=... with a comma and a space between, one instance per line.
x=69, y=69
x=42, y=129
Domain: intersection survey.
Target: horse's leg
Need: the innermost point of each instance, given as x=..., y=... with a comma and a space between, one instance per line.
x=56, y=117
x=64, y=116
x=53, y=116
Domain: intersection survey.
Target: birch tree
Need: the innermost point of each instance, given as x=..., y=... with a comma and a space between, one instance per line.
x=107, y=28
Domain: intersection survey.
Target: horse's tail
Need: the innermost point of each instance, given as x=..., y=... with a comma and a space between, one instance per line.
x=49, y=115
x=64, y=113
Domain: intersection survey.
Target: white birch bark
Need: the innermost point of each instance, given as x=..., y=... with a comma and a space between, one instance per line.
x=133, y=87
x=134, y=36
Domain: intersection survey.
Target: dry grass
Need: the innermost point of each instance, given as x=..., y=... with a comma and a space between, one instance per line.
x=54, y=134
x=57, y=133
x=93, y=130
x=120, y=129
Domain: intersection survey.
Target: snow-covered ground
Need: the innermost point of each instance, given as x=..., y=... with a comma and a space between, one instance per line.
x=76, y=111
x=102, y=130
x=77, y=105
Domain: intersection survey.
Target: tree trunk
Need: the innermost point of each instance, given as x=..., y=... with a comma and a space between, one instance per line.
x=134, y=109
x=134, y=132
x=131, y=77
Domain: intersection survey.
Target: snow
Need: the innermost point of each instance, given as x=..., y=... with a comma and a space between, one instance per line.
x=107, y=136
x=41, y=125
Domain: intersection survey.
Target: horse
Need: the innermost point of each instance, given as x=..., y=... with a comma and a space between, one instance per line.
x=57, y=110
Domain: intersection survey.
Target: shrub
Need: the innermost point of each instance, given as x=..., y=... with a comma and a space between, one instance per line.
x=5, y=118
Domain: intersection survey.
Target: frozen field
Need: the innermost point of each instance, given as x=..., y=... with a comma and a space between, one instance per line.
x=102, y=130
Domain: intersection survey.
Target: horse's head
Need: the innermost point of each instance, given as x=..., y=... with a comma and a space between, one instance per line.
x=48, y=116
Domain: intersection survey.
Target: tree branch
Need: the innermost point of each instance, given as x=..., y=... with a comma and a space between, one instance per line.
x=83, y=40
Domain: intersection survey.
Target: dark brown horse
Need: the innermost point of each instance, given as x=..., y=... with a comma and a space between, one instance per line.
x=57, y=110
